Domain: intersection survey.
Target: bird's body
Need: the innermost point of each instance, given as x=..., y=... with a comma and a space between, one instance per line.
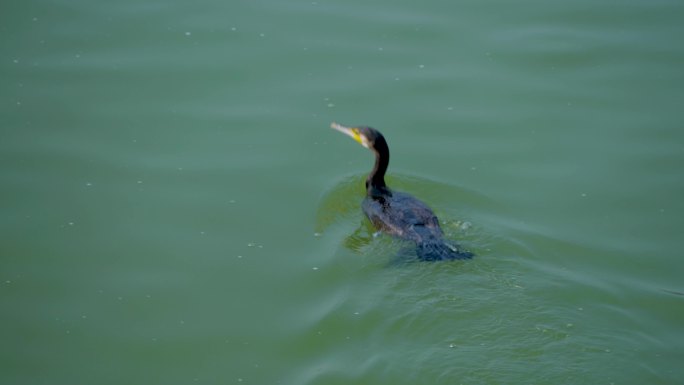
x=402, y=215
x=396, y=213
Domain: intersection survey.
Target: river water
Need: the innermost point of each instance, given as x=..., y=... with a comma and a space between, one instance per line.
x=176, y=210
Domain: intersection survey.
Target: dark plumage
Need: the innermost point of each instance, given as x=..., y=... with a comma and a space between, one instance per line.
x=397, y=213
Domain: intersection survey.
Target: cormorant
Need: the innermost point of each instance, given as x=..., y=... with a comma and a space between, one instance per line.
x=397, y=213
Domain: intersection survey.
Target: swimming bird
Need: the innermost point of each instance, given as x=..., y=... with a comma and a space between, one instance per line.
x=396, y=213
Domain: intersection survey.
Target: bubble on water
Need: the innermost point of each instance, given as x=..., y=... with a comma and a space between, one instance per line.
x=188, y=33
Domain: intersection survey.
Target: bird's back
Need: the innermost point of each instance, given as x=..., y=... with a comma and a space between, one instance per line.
x=402, y=215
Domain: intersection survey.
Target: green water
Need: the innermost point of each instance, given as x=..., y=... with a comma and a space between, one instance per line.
x=176, y=210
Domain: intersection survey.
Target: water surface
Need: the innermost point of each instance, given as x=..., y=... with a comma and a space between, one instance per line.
x=176, y=210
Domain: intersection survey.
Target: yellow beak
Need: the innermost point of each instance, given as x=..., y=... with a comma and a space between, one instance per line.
x=351, y=131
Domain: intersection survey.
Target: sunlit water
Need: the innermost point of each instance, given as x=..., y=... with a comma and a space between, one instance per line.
x=176, y=210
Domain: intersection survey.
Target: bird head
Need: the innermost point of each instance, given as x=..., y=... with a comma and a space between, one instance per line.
x=366, y=136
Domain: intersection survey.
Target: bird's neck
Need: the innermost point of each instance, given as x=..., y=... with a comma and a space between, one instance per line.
x=375, y=184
